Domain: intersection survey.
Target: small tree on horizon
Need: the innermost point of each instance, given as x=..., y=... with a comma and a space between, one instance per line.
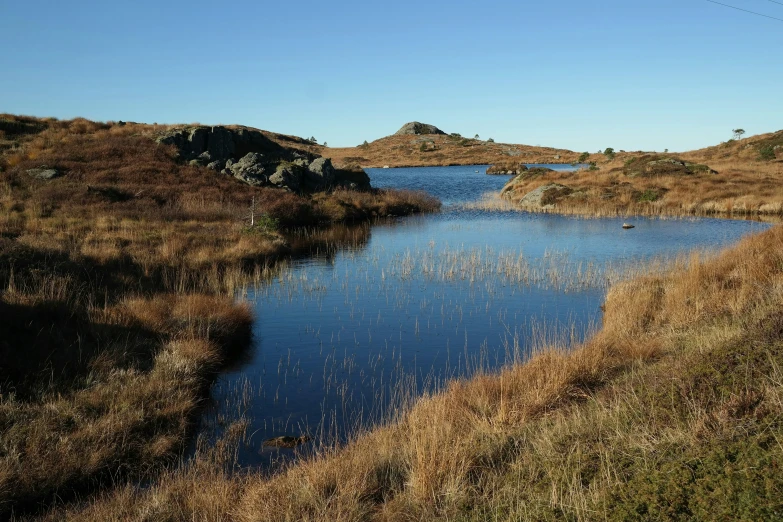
x=609, y=152
x=738, y=133
x=476, y=137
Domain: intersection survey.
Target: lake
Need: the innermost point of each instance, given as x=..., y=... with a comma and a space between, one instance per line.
x=385, y=312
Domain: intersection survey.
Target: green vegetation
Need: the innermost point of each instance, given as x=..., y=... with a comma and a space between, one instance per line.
x=609, y=153
x=583, y=157
x=738, y=133
x=649, y=195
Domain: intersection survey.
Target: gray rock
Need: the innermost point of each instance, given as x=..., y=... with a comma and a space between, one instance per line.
x=543, y=197
x=319, y=175
x=417, y=128
x=44, y=173
x=354, y=178
x=252, y=168
x=288, y=176
x=220, y=143
x=197, y=141
x=216, y=166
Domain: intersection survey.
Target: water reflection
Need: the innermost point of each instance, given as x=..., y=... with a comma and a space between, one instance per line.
x=375, y=315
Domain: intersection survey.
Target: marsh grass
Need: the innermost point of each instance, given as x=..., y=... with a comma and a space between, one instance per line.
x=118, y=285
x=670, y=411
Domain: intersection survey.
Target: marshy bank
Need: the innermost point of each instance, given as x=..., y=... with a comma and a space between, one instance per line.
x=133, y=286
x=738, y=180
x=118, y=276
x=670, y=410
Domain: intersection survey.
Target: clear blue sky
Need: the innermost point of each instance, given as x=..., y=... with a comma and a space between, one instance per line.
x=634, y=74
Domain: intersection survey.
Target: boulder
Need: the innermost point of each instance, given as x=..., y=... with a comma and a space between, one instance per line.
x=253, y=169
x=44, y=173
x=319, y=175
x=545, y=196
x=288, y=176
x=216, y=165
x=352, y=177
x=416, y=128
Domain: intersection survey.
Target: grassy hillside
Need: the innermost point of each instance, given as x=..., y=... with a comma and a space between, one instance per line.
x=440, y=150
x=735, y=178
x=117, y=278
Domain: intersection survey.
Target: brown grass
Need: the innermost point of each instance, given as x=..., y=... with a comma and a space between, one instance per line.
x=117, y=287
x=743, y=185
x=559, y=436
x=671, y=411
x=438, y=150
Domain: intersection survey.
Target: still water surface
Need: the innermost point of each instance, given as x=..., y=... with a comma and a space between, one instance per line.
x=395, y=309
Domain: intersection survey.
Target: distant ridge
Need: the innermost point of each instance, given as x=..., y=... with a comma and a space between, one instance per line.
x=416, y=128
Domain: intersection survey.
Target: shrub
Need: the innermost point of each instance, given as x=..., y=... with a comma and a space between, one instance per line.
x=584, y=157
x=767, y=153
x=609, y=153
x=648, y=195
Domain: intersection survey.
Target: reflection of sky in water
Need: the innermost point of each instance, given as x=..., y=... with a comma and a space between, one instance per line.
x=425, y=298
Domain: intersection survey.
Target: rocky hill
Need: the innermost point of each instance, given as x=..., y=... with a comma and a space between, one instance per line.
x=252, y=157
x=421, y=145
x=416, y=128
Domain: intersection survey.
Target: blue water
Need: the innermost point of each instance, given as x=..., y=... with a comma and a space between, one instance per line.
x=413, y=302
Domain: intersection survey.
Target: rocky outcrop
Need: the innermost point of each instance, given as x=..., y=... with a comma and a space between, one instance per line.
x=416, y=128
x=543, y=198
x=651, y=166
x=502, y=169
x=253, y=168
x=252, y=158
x=319, y=175
x=44, y=173
x=206, y=145
x=290, y=176
x=352, y=177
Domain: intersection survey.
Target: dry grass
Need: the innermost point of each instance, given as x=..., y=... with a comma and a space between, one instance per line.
x=117, y=287
x=743, y=185
x=438, y=150
x=118, y=318
x=685, y=370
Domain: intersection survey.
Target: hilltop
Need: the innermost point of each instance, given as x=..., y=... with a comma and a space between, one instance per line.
x=423, y=145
